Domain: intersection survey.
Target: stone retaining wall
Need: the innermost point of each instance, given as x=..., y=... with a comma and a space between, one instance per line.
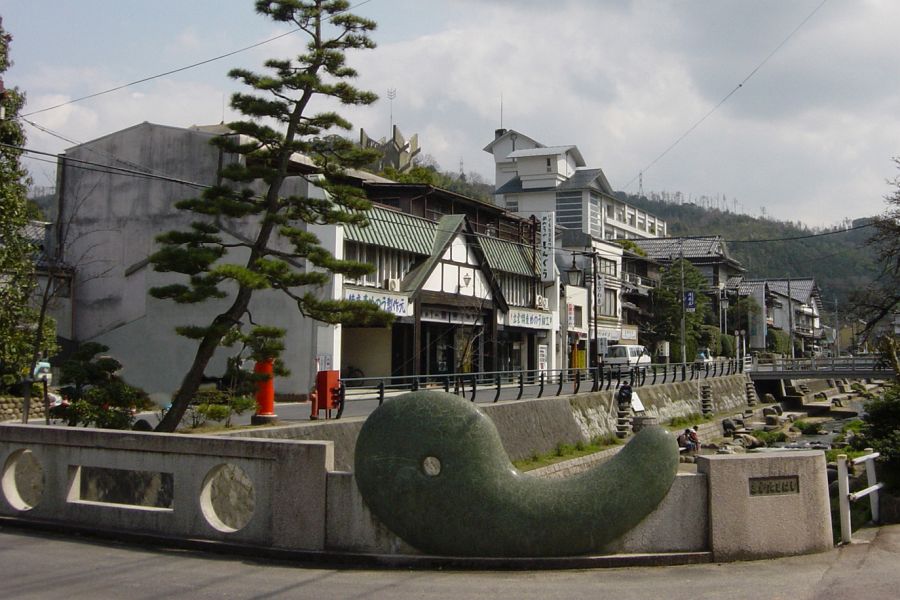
x=11, y=408
x=537, y=426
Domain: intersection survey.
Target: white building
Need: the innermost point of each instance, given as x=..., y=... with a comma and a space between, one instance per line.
x=532, y=178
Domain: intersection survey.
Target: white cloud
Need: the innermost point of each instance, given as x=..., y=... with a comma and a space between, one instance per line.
x=809, y=137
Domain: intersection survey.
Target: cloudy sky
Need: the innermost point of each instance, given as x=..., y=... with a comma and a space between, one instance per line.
x=809, y=136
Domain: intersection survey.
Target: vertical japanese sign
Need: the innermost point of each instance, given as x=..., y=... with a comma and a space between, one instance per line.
x=690, y=301
x=545, y=245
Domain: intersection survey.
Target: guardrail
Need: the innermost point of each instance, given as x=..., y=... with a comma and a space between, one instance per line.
x=490, y=386
x=845, y=497
x=844, y=363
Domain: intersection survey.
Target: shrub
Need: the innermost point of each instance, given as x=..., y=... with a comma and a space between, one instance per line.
x=806, y=428
x=728, y=345
x=770, y=437
x=882, y=432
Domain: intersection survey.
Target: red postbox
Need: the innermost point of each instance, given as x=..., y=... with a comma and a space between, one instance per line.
x=265, y=393
x=328, y=392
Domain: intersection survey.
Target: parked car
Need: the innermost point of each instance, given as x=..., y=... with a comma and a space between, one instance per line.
x=627, y=356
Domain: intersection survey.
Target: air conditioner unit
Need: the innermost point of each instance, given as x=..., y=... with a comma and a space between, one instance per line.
x=542, y=302
x=392, y=284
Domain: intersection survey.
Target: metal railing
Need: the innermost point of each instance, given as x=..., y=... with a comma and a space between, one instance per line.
x=492, y=386
x=847, y=364
x=846, y=497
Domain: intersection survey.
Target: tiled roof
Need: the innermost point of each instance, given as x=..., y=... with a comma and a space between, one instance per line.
x=670, y=248
x=587, y=178
x=801, y=289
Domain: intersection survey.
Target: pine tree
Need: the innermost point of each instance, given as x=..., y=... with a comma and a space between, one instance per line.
x=17, y=274
x=282, y=95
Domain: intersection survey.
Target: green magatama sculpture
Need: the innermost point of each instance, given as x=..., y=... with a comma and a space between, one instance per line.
x=431, y=467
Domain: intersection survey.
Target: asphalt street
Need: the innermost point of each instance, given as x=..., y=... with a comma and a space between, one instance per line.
x=49, y=566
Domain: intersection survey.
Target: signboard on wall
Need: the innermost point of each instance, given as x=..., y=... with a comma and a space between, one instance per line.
x=542, y=357
x=396, y=304
x=546, y=245
x=532, y=319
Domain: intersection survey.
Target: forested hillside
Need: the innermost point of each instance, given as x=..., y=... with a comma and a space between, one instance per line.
x=840, y=263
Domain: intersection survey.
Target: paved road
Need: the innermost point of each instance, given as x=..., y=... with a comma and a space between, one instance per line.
x=44, y=566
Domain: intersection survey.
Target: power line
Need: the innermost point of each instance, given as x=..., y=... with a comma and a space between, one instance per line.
x=802, y=237
x=185, y=68
x=727, y=96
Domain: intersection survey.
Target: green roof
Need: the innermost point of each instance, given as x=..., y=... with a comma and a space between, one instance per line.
x=508, y=257
x=392, y=229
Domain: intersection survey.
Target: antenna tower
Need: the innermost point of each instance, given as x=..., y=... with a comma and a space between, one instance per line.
x=391, y=94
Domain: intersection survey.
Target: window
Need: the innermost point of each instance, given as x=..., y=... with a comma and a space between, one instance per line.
x=549, y=165
x=568, y=210
x=579, y=316
x=608, y=303
x=608, y=267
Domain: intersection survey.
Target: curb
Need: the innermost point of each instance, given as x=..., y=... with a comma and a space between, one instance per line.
x=355, y=560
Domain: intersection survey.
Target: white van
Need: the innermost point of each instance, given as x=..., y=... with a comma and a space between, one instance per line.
x=627, y=356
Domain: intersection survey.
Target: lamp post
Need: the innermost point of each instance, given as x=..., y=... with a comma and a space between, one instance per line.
x=576, y=278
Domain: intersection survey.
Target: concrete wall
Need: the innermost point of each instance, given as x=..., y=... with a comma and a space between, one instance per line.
x=114, y=222
x=342, y=433
x=290, y=495
x=766, y=505
x=284, y=508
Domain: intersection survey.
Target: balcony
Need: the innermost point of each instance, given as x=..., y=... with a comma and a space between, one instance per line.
x=640, y=280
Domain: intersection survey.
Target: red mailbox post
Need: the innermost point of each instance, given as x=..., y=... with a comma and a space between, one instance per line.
x=327, y=395
x=265, y=393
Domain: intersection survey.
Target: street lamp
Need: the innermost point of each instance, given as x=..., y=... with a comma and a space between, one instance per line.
x=574, y=274
x=576, y=278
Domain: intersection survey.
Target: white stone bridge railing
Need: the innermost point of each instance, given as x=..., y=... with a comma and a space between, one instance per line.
x=267, y=493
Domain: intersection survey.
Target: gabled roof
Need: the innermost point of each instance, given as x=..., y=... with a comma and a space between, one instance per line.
x=666, y=249
x=587, y=179
x=490, y=147
x=801, y=289
x=550, y=151
x=448, y=228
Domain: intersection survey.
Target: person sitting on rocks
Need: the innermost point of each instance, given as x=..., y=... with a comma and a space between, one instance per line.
x=695, y=438
x=624, y=395
x=684, y=441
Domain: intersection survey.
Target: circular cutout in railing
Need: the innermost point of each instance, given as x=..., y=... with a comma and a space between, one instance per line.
x=23, y=480
x=227, y=498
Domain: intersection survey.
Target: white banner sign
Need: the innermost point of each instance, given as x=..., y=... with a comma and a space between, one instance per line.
x=395, y=304
x=546, y=244
x=533, y=319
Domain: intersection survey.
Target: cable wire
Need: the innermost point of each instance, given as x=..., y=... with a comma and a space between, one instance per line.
x=727, y=96
x=185, y=68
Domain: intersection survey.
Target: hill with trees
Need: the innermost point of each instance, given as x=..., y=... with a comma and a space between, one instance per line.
x=837, y=258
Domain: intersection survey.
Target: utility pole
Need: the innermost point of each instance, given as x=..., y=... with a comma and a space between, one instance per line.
x=837, y=329
x=790, y=316
x=681, y=262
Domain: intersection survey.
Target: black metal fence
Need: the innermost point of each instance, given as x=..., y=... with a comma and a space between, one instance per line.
x=492, y=386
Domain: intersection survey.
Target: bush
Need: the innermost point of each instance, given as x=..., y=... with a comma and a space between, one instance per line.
x=211, y=404
x=728, y=345
x=100, y=398
x=778, y=341
x=770, y=437
x=806, y=428
x=882, y=433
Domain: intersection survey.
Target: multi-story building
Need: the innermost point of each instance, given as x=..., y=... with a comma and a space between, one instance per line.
x=462, y=277
x=532, y=178
x=789, y=305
